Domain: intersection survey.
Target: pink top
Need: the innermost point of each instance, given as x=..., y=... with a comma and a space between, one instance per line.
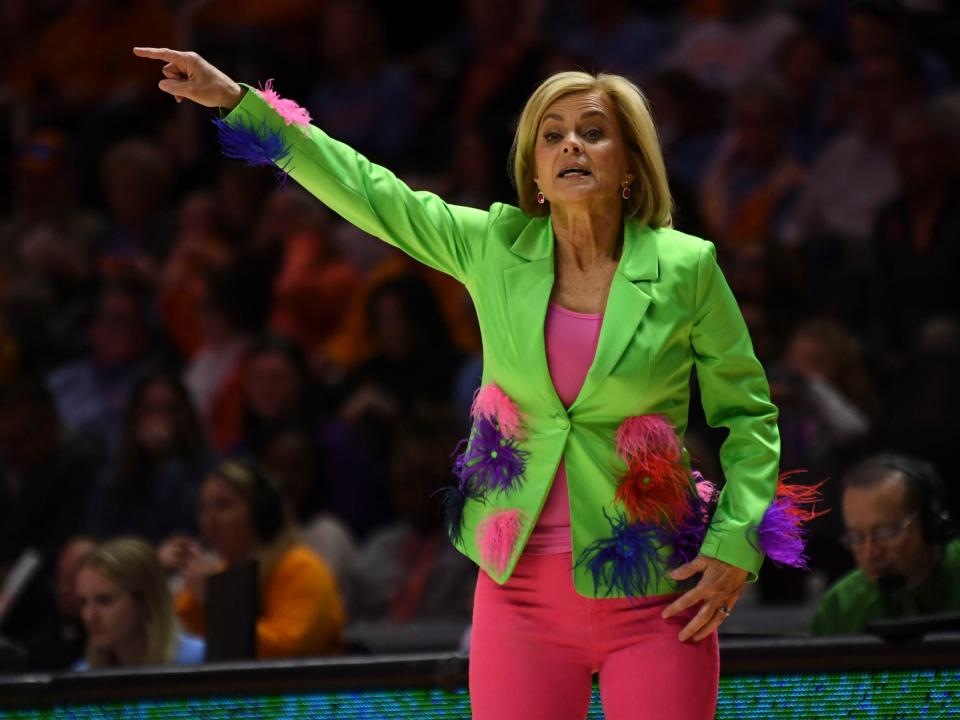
x=571, y=340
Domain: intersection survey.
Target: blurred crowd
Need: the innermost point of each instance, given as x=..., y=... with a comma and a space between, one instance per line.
x=164, y=311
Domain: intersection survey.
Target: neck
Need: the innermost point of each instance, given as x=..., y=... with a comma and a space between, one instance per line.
x=133, y=652
x=587, y=237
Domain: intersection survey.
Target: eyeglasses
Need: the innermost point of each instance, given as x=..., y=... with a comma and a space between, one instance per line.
x=878, y=536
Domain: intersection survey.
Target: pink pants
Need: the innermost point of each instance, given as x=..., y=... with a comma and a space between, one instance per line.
x=535, y=644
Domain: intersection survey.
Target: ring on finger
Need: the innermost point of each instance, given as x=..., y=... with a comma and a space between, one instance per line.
x=725, y=611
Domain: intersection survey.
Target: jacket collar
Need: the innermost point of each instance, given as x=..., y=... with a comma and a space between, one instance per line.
x=530, y=285
x=637, y=262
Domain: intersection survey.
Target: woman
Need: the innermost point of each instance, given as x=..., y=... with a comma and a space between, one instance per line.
x=152, y=489
x=242, y=518
x=277, y=391
x=278, y=394
x=290, y=455
x=126, y=609
x=593, y=312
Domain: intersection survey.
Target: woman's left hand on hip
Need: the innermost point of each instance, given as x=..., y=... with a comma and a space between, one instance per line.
x=718, y=590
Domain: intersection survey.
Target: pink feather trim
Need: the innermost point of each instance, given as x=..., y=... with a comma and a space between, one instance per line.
x=706, y=490
x=493, y=404
x=640, y=436
x=497, y=537
x=291, y=113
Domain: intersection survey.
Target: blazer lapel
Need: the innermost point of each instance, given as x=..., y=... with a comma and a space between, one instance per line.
x=529, y=286
x=627, y=304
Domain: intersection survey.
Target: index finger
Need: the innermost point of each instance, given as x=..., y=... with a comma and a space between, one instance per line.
x=158, y=53
x=688, y=599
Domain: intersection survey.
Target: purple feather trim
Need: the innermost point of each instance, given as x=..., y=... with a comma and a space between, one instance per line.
x=260, y=146
x=490, y=461
x=780, y=536
x=627, y=561
x=452, y=501
x=687, y=538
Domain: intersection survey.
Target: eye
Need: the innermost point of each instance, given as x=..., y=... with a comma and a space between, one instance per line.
x=593, y=134
x=551, y=136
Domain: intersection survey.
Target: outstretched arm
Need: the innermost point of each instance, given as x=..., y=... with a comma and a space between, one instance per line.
x=446, y=237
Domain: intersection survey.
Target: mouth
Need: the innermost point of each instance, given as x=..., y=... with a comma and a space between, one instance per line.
x=574, y=171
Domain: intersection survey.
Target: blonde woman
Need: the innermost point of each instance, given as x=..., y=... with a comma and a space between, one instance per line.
x=575, y=494
x=127, y=611
x=242, y=518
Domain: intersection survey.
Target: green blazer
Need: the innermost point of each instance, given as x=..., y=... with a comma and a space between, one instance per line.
x=669, y=310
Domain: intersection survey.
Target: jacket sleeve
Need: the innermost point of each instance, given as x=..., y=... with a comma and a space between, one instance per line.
x=735, y=395
x=446, y=237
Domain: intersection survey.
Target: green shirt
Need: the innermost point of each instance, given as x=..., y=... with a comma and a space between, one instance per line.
x=853, y=601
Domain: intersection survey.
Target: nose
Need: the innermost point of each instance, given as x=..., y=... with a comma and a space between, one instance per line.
x=871, y=549
x=571, y=145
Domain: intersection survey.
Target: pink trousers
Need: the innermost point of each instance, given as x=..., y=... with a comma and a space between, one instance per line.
x=535, y=644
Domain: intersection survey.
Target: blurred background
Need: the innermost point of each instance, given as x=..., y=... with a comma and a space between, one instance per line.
x=162, y=308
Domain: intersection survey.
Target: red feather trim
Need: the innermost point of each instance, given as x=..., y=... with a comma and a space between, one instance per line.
x=656, y=487
x=802, y=499
x=657, y=491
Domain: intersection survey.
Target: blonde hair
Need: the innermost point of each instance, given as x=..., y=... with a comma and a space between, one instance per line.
x=132, y=565
x=267, y=516
x=650, y=202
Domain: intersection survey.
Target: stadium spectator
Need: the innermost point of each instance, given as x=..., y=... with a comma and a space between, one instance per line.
x=242, y=518
x=126, y=608
x=899, y=531
x=151, y=488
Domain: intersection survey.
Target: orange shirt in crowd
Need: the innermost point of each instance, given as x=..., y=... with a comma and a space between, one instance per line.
x=302, y=613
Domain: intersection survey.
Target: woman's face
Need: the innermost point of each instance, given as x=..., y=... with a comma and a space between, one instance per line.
x=273, y=386
x=290, y=462
x=156, y=421
x=225, y=521
x=580, y=156
x=110, y=614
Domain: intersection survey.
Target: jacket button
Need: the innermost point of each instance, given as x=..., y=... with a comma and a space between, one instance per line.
x=562, y=421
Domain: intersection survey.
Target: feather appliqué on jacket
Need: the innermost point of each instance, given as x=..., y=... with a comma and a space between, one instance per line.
x=628, y=560
x=290, y=111
x=497, y=538
x=656, y=487
x=492, y=460
x=253, y=145
x=262, y=145
x=781, y=535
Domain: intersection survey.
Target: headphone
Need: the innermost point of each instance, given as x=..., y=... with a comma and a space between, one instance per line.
x=927, y=488
x=266, y=501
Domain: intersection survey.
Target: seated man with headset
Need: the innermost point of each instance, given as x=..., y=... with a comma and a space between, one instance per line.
x=899, y=531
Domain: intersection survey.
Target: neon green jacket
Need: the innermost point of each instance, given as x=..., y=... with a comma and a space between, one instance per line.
x=669, y=309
